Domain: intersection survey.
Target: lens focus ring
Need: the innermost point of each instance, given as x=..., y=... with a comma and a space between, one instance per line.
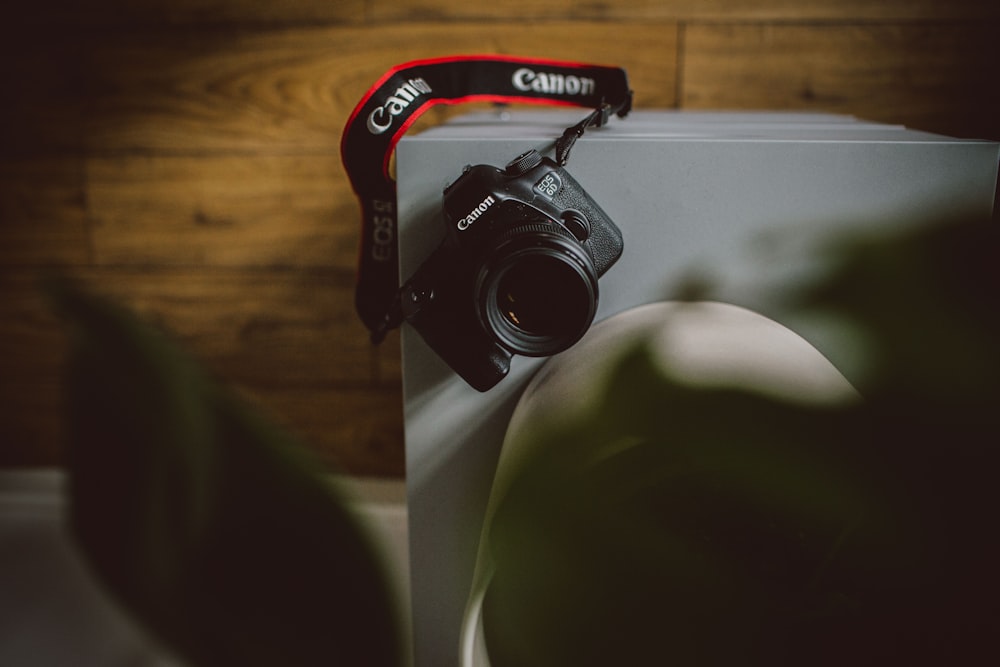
x=537, y=290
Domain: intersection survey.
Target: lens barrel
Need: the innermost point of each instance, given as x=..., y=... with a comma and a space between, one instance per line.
x=536, y=290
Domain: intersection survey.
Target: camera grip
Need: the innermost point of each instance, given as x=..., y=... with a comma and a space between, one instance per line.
x=605, y=239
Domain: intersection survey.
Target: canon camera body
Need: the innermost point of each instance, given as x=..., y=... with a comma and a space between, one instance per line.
x=517, y=271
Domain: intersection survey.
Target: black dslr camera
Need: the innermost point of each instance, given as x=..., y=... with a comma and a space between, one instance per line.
x=517, y=271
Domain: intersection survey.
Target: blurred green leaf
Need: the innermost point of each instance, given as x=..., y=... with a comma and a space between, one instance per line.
x=928, y=299
x=203, y=520
x=707, y=526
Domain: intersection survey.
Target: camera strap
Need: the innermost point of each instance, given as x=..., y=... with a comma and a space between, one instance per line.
x=403, y=93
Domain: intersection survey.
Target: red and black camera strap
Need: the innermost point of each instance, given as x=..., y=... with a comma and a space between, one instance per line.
x=396, y=100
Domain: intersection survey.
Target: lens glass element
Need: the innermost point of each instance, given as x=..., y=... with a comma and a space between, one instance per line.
x=537, y=294
x=542, y=295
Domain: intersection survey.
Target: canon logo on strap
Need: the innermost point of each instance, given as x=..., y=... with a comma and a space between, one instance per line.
x=552, y=83
x=407, y=90
x=380, y=119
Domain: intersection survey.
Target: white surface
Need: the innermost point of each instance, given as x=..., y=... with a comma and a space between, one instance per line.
x=742, y=199
x=701, y=344
x=54, y=614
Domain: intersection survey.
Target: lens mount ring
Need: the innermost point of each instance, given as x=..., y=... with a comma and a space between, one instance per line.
x=536, y=292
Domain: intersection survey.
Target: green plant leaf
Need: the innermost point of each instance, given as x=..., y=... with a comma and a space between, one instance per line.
x=677, y=524
x=203, y=520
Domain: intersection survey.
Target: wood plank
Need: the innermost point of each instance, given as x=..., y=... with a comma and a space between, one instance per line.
x=292, y=90
x=110, y=13
x=354, y=431
x=689, y=10
x=120, y=13
x=940, y=78
x=42, y=212
x=787, y=10
x=268, y=328
x=290, y=341
x=359, y=432
x=445, y=10
x=262, y=328
x=235, y=211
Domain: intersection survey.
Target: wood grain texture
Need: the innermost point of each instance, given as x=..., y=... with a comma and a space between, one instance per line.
x=292, y=328
x=42, y=213
x=183, y=13
x=225, y=13
x=182, y=156
x=787, y=10
x=931, y=77
x=450, y=10
x=259, y=210
x=290, y=342
x=349, y=430
x=292, y=90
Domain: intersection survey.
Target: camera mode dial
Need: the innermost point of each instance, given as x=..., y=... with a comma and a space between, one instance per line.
x=523, y=163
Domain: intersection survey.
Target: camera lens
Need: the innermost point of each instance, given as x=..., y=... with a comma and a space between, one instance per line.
x=538, y=292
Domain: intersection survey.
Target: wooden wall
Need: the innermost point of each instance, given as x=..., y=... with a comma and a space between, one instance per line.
x=182, y=155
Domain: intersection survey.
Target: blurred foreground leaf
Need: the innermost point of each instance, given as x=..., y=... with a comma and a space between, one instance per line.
x=702, y=526
x=207, y=523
